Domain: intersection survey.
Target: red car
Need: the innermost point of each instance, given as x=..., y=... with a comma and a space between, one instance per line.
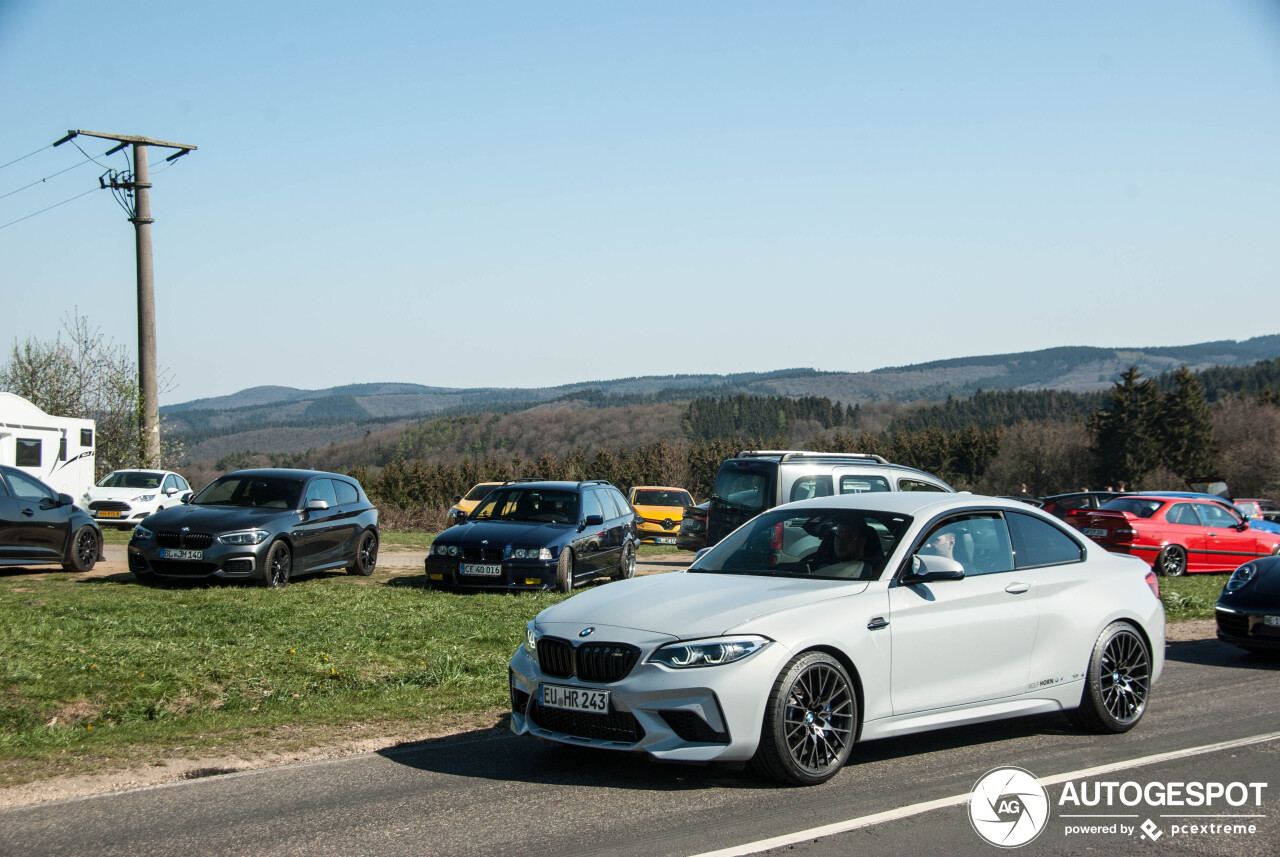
x=1175, y=534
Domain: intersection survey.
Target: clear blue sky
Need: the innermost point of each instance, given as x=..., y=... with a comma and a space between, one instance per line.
x=529, y=194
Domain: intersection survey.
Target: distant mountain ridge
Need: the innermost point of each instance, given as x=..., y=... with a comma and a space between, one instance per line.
x=1074, y=368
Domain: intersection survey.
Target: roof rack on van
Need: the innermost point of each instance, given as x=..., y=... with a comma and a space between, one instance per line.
x=594, y=482
x=795, y=454
x=524, y=479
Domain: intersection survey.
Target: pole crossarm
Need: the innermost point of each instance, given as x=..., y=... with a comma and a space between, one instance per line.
x=126, y=138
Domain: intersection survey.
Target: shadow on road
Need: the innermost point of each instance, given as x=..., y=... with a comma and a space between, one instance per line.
x=1215, y=653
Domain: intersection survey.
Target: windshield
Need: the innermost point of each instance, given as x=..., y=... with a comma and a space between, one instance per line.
x=479, y=492
x=1134, y=506
x=743, y=489
x=131, y=479
x=661, y=497
x=269, y=492
x=828, y=544
x=549, y=506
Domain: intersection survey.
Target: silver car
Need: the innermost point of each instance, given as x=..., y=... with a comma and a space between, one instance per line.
x=843, y=619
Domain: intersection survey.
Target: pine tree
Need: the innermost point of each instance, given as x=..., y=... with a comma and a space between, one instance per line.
x=1185, y=428
x=1125, y=443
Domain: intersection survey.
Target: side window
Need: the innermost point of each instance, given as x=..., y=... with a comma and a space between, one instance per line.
x=607, y=505
x=86, y=437
x=321, y=489
x=909, y=484
x=182, y=484
x=1182, y=513
x=808, y=487
x=591, y=505
x=26, y=488
x=1036, y=542
x=170, y=483
x=1216, y=516
x=346, y=492
x=980, y=543
x=62, y=449
x=863, y=484
x=27, y=452
x=624, y=508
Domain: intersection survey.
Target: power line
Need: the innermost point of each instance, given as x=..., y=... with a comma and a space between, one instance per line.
x=24, y=157
x=43, y=210
x=45, y=179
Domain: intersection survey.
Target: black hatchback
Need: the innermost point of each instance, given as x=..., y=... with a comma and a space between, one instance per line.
x=538, y=535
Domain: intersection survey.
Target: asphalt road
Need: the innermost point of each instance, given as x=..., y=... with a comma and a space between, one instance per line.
x=492, y=793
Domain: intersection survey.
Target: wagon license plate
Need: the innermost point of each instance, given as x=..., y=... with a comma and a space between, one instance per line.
x=1094, y=532
x=1273, y=621
x=575, y=698
x=664, y=540
x=482, y=570
x=108, y=514
x=174, y=553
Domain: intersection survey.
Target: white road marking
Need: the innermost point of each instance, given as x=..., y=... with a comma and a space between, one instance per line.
x=957, y=800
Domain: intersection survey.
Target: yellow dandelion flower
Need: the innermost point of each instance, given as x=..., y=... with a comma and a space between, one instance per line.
x=293, y=651
x=90, y=725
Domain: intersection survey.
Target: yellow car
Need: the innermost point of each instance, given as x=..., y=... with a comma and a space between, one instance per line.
x=473, y=498
x=660, y=512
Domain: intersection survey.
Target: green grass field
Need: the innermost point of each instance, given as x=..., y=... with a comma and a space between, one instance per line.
x=98, y=672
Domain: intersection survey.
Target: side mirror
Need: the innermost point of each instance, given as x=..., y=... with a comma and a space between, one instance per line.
x=457, y=498
x=1242, y=526
x=593, y=520
x=186, y=498
x=317, y=505
x=459, y=516
x=169, y=492
x=932, y=569
x=66, y=500
x=700, y=554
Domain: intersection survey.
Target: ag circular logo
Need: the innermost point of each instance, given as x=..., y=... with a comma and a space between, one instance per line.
x=1008, y=807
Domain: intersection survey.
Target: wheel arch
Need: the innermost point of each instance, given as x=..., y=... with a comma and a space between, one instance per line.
x=847, y=663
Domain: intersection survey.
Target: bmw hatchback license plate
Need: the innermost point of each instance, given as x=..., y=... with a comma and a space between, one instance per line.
x=482, y=570
x=575, y=699
x=1273, y=621
x=664, y=540
x=1094, y=532
x=174, y=553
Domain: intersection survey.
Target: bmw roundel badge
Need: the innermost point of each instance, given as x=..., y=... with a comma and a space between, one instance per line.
x=586, y=632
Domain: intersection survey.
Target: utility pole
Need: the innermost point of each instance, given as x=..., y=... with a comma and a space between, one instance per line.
x=138, y=188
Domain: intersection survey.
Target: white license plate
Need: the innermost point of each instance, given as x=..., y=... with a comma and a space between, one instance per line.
x=109, y=514
x=174, y=553
x=483, y=570
x=1093, y=532
x=575, y=698
x=1274, y=621
x=664, y=540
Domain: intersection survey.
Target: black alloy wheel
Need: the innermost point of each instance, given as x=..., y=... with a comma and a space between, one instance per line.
x=1118, y=683
x=809, y=722
x=366, y=559
x=1171, y=561
x=82, y=552
x=277, y=567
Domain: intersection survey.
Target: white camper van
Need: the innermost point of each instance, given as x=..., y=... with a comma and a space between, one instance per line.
x=56, y=450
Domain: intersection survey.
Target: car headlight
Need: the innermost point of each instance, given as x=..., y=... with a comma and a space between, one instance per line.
x=707, y=653
x=246, y=537
x=1241, y=576
x=531, y=641
x=445, y=550
x=143, y=498
x=141, y=533
x=531, y=553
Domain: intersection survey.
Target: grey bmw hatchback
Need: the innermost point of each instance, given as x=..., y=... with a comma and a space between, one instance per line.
x=263, y=526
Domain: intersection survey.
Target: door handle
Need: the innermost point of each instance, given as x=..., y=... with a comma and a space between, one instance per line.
x=877, y=623
x=28, y=513
x=1017, y=588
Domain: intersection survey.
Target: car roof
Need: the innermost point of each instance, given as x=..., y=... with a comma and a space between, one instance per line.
x=560, y=484
x=288, y=473
x=658, y=488
x=914, y=503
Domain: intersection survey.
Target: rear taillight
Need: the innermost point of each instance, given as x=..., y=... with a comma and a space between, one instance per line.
x=775, y=543
x=1154, y=583
x=1124, y=534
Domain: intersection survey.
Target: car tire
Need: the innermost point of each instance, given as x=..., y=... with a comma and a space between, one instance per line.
x=809, y=722
x=1117, y=683
x=564, y=571
x=277, y=567
x=1171, y=561
x=82, y=550
x=626, y=564
x=366, y=559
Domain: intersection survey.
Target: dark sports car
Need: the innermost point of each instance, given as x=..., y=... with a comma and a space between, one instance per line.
x=538, y=535
x=39, y=526
x=1248, y=610
x=263, y=526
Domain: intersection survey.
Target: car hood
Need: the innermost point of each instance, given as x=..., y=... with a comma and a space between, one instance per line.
x=498, y=533
x=119, y=493
x=688, y=606
x=215, y=519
